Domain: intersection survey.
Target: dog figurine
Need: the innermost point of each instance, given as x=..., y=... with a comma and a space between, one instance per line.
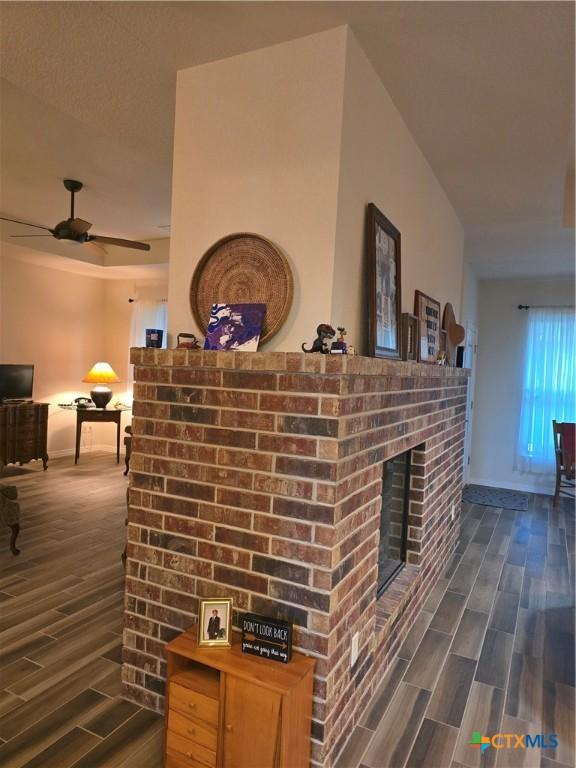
x=324, y=332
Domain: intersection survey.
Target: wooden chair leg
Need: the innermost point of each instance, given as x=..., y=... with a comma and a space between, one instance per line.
x=15, y=528
x=557, y=489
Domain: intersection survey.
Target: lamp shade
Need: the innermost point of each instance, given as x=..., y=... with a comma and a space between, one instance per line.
x=101, y=373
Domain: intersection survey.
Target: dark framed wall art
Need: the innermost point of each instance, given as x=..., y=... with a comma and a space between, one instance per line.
x=384, y=287
x=409, y=337
x=427, y=310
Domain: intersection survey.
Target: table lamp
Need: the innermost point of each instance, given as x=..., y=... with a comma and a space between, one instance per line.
x=101, y=374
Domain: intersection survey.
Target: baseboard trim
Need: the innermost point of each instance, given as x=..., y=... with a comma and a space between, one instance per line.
x=545, y=489
x=93, y=449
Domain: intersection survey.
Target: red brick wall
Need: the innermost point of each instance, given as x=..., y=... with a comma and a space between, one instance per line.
x=258, y=476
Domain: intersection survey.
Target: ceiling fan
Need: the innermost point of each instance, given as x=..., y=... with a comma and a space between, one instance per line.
x=77, y=229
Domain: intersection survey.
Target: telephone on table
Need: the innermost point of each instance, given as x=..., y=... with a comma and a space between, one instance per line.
x=83, y=402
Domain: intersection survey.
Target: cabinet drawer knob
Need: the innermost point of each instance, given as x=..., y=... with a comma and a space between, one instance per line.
x=191, y=705
x=189, y=755
x=191, y=731
x=229, y=728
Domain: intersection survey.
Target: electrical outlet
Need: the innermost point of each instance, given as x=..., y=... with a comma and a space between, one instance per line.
x=87, y=437
x=354, y=649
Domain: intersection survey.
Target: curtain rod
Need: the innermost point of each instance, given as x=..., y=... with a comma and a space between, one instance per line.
x=131, y=301
x=545, y=306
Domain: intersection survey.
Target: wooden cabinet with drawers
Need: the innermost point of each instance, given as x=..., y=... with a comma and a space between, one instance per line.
x=225, y=709
x=23, y=433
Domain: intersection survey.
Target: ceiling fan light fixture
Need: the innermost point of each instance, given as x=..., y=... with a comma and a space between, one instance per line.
x=64, y=230
x=76, y=230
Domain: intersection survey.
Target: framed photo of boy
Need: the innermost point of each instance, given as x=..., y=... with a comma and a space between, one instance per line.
x=215, y=622
x=384, y=288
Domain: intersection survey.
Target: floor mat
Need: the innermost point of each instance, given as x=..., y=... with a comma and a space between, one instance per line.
x=495, y=497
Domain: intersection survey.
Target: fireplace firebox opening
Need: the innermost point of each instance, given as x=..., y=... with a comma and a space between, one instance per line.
x=393, y=519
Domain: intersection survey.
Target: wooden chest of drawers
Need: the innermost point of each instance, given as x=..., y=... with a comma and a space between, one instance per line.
x=228, y=710
x=23, y=433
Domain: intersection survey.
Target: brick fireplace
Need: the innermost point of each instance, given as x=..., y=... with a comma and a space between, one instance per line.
x=259, y=476
x=394, y=519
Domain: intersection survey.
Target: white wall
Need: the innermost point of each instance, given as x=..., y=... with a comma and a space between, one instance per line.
x=292, y=142
x=381, y=163
x=499, y=373
x=63, y=323
x=470, y=289
x=256, y=149
x=117, y=318
x=53, y=319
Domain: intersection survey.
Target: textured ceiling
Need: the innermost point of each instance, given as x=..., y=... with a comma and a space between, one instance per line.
x=486, y=89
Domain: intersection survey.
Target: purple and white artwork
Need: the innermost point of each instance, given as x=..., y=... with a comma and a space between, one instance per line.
x=235, y=326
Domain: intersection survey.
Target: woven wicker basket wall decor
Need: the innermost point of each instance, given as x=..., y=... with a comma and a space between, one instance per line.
x=243, y=268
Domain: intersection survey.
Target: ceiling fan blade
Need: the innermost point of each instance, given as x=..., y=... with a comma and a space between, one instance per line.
x=26, y=223
x=119, y=241
x=80, y=226
x=30, y=235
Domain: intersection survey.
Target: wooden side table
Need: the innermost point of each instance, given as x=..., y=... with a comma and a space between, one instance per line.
x=97, y=415
x=224, y=708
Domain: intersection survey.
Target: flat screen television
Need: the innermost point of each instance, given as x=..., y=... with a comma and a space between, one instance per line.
x=16, y=382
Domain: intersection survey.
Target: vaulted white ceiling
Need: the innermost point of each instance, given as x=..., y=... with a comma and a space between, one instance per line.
x=486, y=88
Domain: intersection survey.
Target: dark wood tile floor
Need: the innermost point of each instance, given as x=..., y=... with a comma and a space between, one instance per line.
x=61, y=624
x=493, y=649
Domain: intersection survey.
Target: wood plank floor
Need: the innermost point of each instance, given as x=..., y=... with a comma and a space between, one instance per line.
x=493, y=649
x=61, y=624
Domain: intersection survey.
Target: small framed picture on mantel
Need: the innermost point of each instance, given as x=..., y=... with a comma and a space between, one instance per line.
x=384, y=288
x=427, y=310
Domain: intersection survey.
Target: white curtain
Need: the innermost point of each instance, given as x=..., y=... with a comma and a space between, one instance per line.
x=549, y=386
x=146, y=313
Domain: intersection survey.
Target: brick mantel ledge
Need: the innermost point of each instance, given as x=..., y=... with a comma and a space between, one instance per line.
x=294, y=362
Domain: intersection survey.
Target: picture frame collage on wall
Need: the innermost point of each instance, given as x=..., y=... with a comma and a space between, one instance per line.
x=425, y=336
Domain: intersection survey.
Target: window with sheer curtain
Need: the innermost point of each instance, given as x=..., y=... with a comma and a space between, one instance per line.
x=549, y=386
x=146, y=313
